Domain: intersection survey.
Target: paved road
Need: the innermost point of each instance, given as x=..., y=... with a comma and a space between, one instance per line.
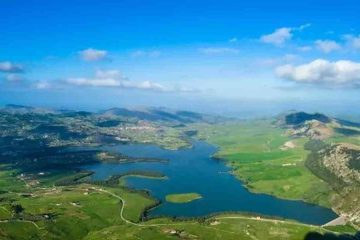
x=18, y=220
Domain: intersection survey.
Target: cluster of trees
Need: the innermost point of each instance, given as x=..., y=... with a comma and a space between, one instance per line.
x=18, y=212
x=73, y=179
x=16, y=209
x=314, y=162
x=206, y=218
x=144, y=173
x=354, y=162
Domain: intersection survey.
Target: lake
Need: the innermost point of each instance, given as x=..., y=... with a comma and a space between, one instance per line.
x=194, y=170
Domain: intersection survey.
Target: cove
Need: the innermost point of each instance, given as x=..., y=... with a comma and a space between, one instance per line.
x=194, y=170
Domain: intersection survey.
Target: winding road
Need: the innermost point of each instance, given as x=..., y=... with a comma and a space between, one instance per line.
x=18, y=220
x=133, y=223
x=216, y=218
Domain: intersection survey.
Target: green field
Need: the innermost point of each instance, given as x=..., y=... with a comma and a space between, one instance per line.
x=254, y=151
x=182, y=197
x=220, y=227
x=8, y=181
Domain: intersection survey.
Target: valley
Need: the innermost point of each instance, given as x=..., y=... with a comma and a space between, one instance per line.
x=107, y=175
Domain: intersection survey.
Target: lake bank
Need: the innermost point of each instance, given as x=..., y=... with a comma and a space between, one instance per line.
x=221, y=191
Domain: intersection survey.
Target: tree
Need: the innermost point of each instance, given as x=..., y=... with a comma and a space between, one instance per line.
x=16, y=209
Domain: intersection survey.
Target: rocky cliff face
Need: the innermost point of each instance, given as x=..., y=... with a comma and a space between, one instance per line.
x=338, y=164
x=338, y=161
x=347, y=203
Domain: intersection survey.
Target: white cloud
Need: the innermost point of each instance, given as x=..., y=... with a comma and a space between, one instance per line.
x=320, y=71
x=281, y=35
x=9, y=67
x=218, y=50
x=353, y=41
x=147, y=85
x=356, y=42
x=115, y=83
x=13, y=78
x=102, y=78
x=42, y=85
x=278, y=37
x=91, y=54
x=107, y=79
x=154, y=53
x=141, y=53
x=113, y=79
x=108, y=74
x=138, y=53
x=233, y=40
x=274, y=61
x=185, y=89
x=327, y=46
x=94, y=82
x=304, y=48
x=302, y=27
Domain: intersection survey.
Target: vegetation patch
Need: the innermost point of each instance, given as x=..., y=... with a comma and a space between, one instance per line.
x=182, y=197
x=145, y=174
x=347, y=131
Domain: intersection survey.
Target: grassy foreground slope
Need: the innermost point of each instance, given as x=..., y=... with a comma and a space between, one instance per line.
x=91, y=212
x=226, y=228
x=266, y=159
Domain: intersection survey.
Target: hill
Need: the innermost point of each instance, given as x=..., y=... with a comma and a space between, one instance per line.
x=161, y=114
x=298, y=118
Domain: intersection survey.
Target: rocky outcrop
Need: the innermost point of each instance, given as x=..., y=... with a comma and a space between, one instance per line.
x=337, y=160
x=313, y=129
x=336, y=164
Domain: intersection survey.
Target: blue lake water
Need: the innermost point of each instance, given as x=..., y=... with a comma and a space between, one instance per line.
x=194, y=170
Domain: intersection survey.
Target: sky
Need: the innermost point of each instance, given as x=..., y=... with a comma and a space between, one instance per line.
x=219, y=56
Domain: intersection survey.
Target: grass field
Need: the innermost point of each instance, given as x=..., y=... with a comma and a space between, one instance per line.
x=182, y=197
x=8, y=181
x=255, y=152
x=213, y=229
x=76, y=211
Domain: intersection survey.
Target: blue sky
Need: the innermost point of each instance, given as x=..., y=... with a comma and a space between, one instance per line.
x=186, y=54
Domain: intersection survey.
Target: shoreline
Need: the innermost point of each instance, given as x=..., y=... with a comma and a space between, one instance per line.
x=113, y=180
